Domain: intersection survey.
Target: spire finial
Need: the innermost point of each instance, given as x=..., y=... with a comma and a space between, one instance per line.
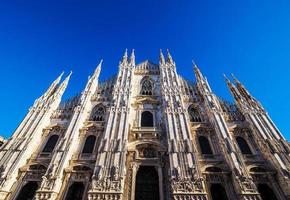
x=161, y=57
x=69, y=75
x=132, y=57
x=99, y=67
x=64, y=84
x=125, y=57
x=54, y=84
x=196, y=70
x=59, y=77
x=226, y=78
x=194, y=64
x=169, y=57
x=235, y=79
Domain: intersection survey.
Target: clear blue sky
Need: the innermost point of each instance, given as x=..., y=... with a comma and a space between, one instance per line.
x=40, y=39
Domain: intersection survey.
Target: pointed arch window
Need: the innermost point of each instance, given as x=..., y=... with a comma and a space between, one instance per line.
x=98, y=113
x=146, y=87
x=50, y=144
x=89, y=144
x=218, y=192
x=243, y=145
x=75, y=191
x=204, y=145
x=27, y=191
x=194, y=114
x=266, y=192
x=146, y=119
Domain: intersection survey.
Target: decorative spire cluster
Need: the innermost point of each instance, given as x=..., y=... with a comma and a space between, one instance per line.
x=241, y=94
x=128, y=61
x=64, y=84
x=169, y=59
x=161, y=57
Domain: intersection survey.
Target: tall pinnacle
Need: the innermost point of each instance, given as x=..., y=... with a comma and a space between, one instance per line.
x=125, y=57
x=54, y=84
x=169, y=58
x=161, y=58
x=132, y=58
x=64, y=84
x=242, y=88
x=98, y=69
x=197, y=72
x=233, y=90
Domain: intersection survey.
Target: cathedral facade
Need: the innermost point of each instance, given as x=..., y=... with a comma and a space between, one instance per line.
x=145, y=134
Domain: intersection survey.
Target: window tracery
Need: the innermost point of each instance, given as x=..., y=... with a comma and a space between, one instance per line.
x=98, y=113
x=148, y=153
x=194, y=114
x=146, y=87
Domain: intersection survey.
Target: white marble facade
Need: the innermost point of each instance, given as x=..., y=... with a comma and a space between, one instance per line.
x=145, y=134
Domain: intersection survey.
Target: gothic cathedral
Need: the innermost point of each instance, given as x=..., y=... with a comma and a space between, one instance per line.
x=145, y=134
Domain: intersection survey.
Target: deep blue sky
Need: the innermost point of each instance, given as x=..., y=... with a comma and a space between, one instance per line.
x=38, y=40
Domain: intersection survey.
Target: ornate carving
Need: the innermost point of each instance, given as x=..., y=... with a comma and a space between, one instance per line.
x=106, y=184
x=147, y=153
x=248, y=186
x=187, y=186
x=47, y=184
x=114, y=173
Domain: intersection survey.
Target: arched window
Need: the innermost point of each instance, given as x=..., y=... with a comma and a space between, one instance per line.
x=257, y=170
x=27, y=192
x=218, y=192
x=89, y=144
x=75, y=191
x=147, y=183
x=98, y=113
x=213, y=169
x=146, y=88
x=146, y=119
x=266, y=192
x=243, y=145
x=204, y=145
x=50, y=144
x=194, y=114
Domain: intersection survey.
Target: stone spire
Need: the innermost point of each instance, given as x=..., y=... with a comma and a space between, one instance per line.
x=64, y=84
x=169, y=58
x=201, y=80
x=49, y=92
x=95, y=76
x=132, y=58
x=246, y=94
x=197, y=72
x=242, y=88
x=51, y=89
x=98, y=69
x=233, y=90
x=161, y=58
x=53, y=86
x=125, y=58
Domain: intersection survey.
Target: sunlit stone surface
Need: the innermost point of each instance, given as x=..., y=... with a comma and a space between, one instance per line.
x=145, y=134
